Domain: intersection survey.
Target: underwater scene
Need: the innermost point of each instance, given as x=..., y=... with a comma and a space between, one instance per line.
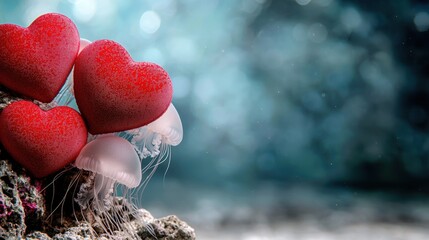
x=232, y=120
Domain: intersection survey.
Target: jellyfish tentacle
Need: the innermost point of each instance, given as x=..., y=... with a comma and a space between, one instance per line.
x=74, y=180
x=57, y=176
x=65, y=96
x=79, y=175
x=168, y=161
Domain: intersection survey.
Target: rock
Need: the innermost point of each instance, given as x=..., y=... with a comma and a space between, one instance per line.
x=169, y=228
x=146, y=226
x=23, y=214
x=21, y=204
x=81, y=232
x=37, y=236
x=6, y=98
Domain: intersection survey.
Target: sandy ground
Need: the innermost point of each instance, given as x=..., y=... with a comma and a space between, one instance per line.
x=296, y=212
x=313, y=231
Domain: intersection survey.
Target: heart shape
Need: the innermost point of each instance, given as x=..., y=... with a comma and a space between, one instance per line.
x=42, y=141
x=36, y=61
x=114, y=93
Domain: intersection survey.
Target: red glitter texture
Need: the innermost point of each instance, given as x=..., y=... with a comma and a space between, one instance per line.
x=43, y=142
x=114, y=93
x=36, y=61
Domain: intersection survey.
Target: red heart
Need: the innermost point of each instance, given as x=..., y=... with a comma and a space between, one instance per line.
x=114, y=93
x=36, y=61
x=43, y=142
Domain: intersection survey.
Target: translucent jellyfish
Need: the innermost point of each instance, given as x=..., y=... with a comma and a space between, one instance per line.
x=66, y=96
x=112, y=160
x=155, y=140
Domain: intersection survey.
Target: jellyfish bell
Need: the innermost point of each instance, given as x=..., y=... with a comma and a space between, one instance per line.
x=169, y=126
x=83, y=44
x=112, y=160
x=155, y=140
x=167, y=130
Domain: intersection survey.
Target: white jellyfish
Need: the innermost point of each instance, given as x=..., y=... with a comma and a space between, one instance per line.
x=113, y=161
x=66, y=95
x=155, y=140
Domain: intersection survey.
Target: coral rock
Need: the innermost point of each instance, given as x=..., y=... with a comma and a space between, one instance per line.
x=37, y=236
x=168, y=228
x=21, y=204
x=6, y=98
x=23, y=214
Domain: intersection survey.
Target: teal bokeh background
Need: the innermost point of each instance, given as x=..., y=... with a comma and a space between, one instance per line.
x=276, y=97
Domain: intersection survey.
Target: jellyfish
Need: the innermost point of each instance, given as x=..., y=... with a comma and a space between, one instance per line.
x=112, y=161
x=66, y=96
x=155, y=140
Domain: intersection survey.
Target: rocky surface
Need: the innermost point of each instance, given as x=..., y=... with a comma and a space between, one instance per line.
x=21, y=203
x=169, y=227
x=6, y=98
x=24, y=215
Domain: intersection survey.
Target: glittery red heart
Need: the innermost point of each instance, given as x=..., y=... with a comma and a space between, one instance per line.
x=114, y=93
x=36, y=61
x=43, y=142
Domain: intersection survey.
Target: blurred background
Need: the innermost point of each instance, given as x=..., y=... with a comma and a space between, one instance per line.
x=303, y=119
